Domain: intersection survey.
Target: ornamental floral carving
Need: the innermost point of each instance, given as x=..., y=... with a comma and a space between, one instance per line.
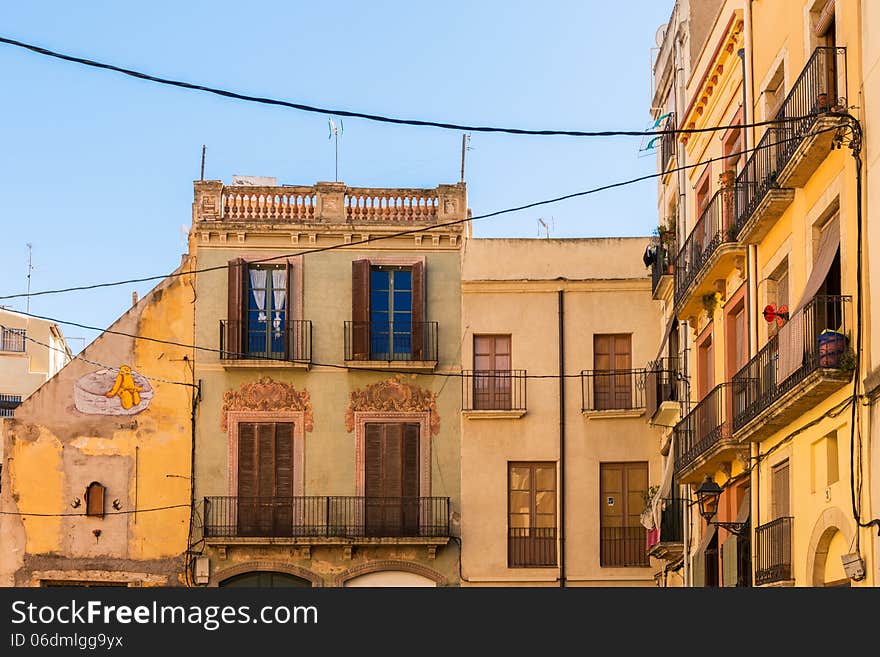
x=393, y=396
x=264, y=394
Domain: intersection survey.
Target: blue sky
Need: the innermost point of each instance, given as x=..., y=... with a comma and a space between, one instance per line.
x=97, y=167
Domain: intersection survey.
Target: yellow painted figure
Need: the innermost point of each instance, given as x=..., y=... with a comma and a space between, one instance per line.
x=125, y=388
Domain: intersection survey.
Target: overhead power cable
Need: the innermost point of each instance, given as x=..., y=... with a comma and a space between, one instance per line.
x=372, y=117
x=84, y=514
x=409, y=231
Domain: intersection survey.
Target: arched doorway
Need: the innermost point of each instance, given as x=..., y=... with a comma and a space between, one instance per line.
x=387, y=578
x=265, y=579
x=832, y=537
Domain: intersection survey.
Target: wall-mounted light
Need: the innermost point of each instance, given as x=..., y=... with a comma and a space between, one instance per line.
x=707, y=498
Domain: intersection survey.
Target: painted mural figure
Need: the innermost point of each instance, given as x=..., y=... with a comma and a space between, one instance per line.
x=125, y=388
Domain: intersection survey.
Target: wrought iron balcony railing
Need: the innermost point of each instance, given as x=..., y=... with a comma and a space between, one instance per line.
x=326, y=516
x=663, y=265
x=623, y=547
x=283, y=340
x=703, y=427
x=661, y=383
x=819, y=339
x=531, y=546
x=493, y=390
x=714, y=228
x=409, y=341
x=773, y=541
x=612, y=390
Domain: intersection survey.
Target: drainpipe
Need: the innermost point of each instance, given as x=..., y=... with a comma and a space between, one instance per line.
x=561, y=304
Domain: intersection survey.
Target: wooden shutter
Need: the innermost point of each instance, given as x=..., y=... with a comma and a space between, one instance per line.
x=730, y=561
x=95, y=499
x=236, y=324
x=612, y=353
x=411, y=504
x=698, y=569
x=283, y=506
x=373, y=460
x=780, y=491
x=419, y=291
x=360, y=309
x=247, y=479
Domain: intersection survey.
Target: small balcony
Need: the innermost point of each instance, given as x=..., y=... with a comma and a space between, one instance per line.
x=493, y=394
x=704, y=437
x=779, y=384
x=667, y=145
x=668, y=544
x=788, y=154
x=709, y=253
x=820, y=88
x=531, y=547
x=662, y=399
x=613, y=393
x=408, y=346
x=326, y=519
x=773, y=542
x=623, y=547
x=284, y=343
x=662, y=271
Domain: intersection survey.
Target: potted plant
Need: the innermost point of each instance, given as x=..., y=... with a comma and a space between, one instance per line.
x=709, y=302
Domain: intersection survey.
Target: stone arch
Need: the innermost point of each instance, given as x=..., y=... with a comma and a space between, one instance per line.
x=265, y=566
x=390, y=564
x=830, y=521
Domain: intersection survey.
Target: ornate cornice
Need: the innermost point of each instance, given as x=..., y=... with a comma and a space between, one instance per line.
x=395, y=396
x=264, y=394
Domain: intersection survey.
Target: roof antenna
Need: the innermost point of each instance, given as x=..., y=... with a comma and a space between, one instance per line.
x=547, y=227
x=465, y=140
x=30, y=248
x=203, y=163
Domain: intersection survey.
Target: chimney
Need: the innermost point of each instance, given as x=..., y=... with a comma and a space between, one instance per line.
x=134, y=298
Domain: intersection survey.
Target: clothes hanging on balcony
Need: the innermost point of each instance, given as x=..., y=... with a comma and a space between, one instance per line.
x=791, y=334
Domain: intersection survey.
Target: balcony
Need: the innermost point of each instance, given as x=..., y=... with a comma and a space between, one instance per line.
x=709, y=253
x=670, y=543
x=285, y=344
x=623, y=547
x=334, y=520
x=770, y=392
x=613, y=393
x=820, y=88
x=787, y=155
x=662, y=404
x=410, y=346
x=662, y=271
x=531, y=547
x=773, y=554
x=704, y=437
x=493, y=394
x=667, y=144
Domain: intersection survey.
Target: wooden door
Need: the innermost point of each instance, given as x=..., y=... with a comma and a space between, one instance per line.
x=612, y=365
x=391, y=479
x=622, y=536
x=265, y=479
x=492, y=375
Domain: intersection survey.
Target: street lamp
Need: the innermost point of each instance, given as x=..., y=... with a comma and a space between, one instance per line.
x=707, y=497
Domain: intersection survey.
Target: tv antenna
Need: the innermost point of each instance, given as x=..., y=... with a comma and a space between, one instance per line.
x=335, y=131
x=465, y=140
x=30, y=248
x=546, y=227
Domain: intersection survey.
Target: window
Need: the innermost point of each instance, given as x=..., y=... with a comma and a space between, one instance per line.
x=779, y=490
x=388, y=313
x=260, y=322
x=733, y=147
x=623, y=539
x=12, y=339
x=774, y=93
x=492, y=373
x=705, y=366
x=265, y=478
x=531, y=514
x=8, y=404
x=612, y=353
x=832, y=462
x=391, y=481
x=95, y=500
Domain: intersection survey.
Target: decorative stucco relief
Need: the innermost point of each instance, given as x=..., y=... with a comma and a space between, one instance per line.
x=393, y=396
x=267, y=395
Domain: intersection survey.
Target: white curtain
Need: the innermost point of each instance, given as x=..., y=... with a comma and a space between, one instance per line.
x=258, y=287
x=279, y=296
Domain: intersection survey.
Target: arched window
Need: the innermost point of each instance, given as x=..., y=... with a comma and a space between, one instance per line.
x=95, y=499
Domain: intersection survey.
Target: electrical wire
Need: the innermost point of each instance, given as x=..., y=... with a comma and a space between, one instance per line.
x=96, y=363
x=84, y=514
x=410, y=231
x=371, y=117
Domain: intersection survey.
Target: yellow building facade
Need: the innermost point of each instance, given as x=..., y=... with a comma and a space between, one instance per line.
x=764, y=283
x=96, y=463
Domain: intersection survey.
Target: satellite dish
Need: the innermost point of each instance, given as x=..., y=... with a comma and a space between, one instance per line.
x=661, y=32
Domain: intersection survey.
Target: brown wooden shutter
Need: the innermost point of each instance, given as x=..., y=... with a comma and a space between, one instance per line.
x=373, y=460
x=360, y=309
x=419, y=329
x=236, y=324
x=411, y=504
x=247, y=459
x=266, y=460
x=95, y=499
x=284, y=459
